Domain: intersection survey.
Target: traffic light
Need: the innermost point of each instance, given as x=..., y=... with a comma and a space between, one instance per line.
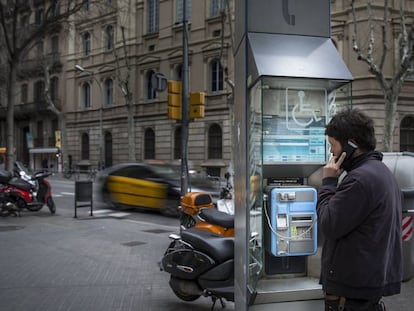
x=174, y=99
x=197, y=101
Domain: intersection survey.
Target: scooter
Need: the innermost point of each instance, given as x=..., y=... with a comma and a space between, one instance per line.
x=200, y=263
x=198, y=211
x=28, y=191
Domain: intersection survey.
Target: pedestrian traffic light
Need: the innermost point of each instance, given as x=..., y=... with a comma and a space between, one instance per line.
x=197, y=101
x=174, y=99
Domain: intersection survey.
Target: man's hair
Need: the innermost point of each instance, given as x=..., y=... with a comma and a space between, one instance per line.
x=352, y=124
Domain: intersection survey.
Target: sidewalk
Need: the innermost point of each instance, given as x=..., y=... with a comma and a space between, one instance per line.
x=85, y=264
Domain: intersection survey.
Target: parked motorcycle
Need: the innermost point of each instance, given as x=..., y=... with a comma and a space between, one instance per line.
x=198, y=211
x=200, y=263
x=30, y=191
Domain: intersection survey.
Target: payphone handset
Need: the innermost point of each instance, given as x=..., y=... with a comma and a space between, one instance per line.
x=291, y=216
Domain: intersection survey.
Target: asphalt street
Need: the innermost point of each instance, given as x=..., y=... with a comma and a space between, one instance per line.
x=105, y=262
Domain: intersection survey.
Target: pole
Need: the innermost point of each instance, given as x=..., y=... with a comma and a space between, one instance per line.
x=184, y=110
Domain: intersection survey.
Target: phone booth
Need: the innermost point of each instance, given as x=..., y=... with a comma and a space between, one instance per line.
x=293, y=81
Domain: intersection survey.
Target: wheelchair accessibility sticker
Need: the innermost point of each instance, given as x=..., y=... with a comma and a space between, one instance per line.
x=305, y=108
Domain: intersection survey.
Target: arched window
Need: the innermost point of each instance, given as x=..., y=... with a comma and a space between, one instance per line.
x=85, y=146
x=109, y=90
x=86, y=95
x=151, y=93
x=215, y=142
x=86, y=43
x=177, y=143
x=407, y=134
x=216, y=76
x=109, y=37
x=149, y=144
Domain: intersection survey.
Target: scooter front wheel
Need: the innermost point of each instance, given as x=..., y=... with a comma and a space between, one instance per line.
x=51, y=205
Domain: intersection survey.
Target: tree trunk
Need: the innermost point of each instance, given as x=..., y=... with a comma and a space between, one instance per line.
x=391, y=101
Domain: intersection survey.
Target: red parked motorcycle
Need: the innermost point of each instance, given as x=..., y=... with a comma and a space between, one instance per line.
x=30, y=191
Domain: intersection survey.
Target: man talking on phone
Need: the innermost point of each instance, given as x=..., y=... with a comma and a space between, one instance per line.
x=359, y=218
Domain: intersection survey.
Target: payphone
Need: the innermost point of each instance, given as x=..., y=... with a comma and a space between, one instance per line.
x=292, y=221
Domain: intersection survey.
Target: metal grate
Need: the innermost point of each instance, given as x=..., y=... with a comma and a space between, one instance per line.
x=133, y=243
x=10, y=228
x=155, y=231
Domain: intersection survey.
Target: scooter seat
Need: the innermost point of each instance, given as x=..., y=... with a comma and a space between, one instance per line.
x=20, y=183
x=218, y=247
x=216, y=217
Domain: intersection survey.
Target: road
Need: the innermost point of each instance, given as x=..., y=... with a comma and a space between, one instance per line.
x=105, y=262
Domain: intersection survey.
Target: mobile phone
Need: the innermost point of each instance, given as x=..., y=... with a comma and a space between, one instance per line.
x=349, y=149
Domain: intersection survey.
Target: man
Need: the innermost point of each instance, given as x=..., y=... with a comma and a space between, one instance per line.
x=360, y=219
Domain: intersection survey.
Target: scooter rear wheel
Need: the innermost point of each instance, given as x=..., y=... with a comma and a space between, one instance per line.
x=174, y=284
x=51, y=205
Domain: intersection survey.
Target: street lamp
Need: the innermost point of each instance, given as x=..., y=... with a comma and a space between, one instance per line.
x=92, y=74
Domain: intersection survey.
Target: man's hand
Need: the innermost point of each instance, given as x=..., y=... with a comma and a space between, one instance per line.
x=333, y=167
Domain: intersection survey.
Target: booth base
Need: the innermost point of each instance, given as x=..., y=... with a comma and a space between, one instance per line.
x=278, y=290
x=290, y=306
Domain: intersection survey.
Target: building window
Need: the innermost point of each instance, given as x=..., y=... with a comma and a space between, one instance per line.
x=39, y=89
x=85, y=147
x=86, y=43
x=215, y=142
x=24, y=93
x=39, y=16
x=109, y=92
x=108, y=150
x=109, y=38
x=54, y=85
x=54, y=43
x=216, y=6
x=177, y=143
x=87, y=5
x=407, y=134
x=86, y=95
x=178, y=72
x=149, y=144
x=151, y=93
x=39, y=48
x=216, y=76
x=179, y=10
x=152, y=16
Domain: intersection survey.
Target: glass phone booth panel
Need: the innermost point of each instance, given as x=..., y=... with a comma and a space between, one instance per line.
x=287, y=144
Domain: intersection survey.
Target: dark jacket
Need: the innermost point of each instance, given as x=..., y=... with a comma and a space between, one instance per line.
x=361, y=222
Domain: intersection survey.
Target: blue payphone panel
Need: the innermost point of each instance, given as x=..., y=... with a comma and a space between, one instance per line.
x=292, y=221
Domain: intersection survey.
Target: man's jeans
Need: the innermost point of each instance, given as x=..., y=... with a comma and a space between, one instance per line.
x=333, y=303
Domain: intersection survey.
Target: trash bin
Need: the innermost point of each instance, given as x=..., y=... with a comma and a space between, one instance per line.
x=402, y=166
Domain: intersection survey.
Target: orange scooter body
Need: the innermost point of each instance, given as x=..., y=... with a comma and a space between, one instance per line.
x=199, y=206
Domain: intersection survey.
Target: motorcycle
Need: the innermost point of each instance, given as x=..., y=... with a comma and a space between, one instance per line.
x=30, y=191
x=200, y=263
x=198, y=211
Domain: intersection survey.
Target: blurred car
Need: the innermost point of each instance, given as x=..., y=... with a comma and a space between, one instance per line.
x=151, y=186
